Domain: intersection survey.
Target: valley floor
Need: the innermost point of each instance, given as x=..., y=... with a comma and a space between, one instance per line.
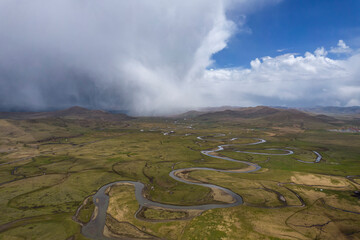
x=268, y=180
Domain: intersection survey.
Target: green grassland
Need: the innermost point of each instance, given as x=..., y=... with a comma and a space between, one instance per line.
x=50, y=166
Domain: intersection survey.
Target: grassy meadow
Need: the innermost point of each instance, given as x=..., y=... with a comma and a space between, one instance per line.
x=50, y=166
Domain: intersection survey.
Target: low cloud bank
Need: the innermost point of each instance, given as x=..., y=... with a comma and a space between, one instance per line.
x=292, y=80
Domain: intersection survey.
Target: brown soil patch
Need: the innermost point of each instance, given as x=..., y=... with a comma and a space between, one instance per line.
x=221, y=196
x=115, y=229
x=270, y=134
x=185, y=175
x=249, y=168
x=120, y=195
x=215, y=154
x=8, y=130
x=262, y=170
x=310, y=195
x=287, y=130
x=95, y=213
x=321, y=180
x=193, y=212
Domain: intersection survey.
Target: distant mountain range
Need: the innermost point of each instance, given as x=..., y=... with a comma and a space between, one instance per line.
x=267, y=116
x=70, y=113
x=260, y=114
x=318, y=110
x=333, y=110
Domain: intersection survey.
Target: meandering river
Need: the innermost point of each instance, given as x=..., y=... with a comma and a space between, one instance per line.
x=94, y=229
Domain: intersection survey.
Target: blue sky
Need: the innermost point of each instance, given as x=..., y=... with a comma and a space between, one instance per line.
x=296, y=26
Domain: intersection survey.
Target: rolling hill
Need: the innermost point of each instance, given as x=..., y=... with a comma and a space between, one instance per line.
x=265, y=115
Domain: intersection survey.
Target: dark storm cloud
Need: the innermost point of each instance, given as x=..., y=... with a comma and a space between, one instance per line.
x=114, y=54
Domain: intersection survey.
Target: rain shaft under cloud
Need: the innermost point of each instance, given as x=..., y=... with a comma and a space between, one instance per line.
x=136, y=55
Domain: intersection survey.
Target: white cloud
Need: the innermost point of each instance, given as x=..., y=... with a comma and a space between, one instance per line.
x=320, y=52
x=289, y=79
x=341, y=48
